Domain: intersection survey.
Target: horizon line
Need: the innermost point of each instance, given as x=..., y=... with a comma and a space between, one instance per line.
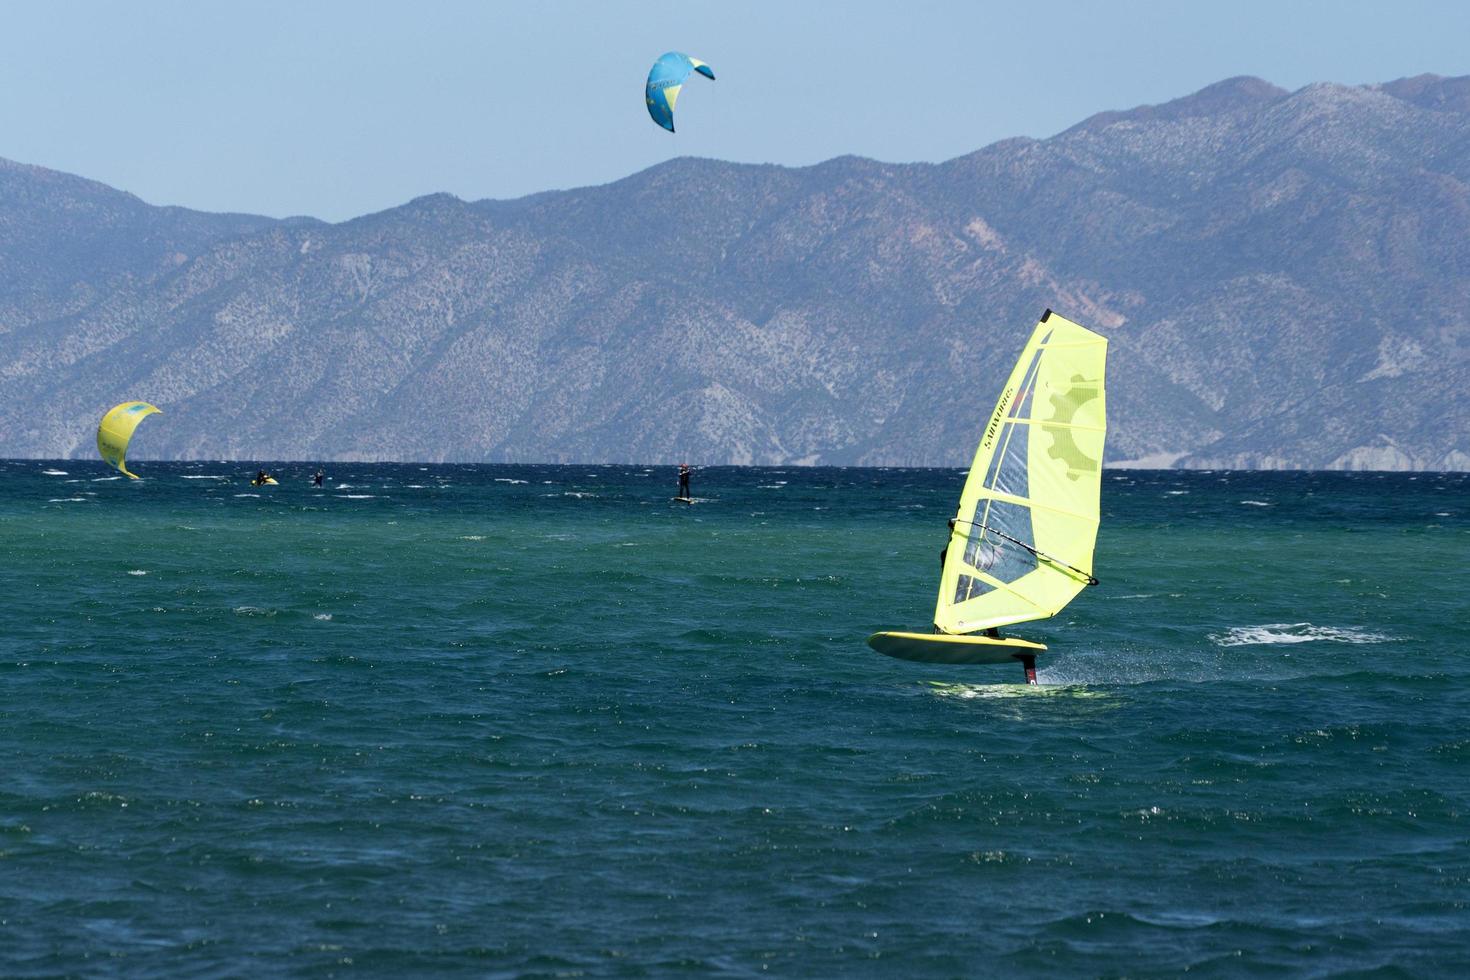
x=1118, y=466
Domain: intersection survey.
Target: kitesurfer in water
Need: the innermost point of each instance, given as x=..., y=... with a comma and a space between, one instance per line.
x=683, y=481
x=316, y=481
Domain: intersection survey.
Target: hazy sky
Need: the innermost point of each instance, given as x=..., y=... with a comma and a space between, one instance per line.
x=340, y=108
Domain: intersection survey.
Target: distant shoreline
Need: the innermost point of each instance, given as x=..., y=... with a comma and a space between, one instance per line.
x=1121, y=466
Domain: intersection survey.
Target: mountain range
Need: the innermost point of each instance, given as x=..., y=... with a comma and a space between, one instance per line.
x=1284, y=278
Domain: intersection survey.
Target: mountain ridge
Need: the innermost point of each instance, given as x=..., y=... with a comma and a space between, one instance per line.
x=1261, y=259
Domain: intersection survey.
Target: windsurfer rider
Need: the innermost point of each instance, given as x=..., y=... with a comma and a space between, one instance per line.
x=944, y=552
x=683, y=481
x=316, y=481
x=992, y=632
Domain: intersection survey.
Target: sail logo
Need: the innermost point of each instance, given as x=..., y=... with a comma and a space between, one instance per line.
x=1000, y=413
x=1064, y=444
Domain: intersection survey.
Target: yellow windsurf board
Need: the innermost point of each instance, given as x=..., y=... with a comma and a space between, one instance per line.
x=944, y=648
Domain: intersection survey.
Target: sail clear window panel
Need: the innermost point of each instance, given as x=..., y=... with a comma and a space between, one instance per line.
x=1021, y=407
x=968, y=587
x=1011, y=444
x=992, y=553
x=1008, y=470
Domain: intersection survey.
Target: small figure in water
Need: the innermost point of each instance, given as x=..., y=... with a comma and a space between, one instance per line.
x=683, y=481
x=260, y=477
x=316, y=481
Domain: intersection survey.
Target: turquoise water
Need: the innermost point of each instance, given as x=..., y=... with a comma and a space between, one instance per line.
x=509, y=720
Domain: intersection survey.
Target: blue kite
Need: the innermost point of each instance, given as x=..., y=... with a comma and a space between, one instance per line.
x=665, y=80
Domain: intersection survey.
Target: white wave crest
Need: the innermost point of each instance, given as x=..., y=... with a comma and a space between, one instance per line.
x=1256, y=503
x=324, y=617
x=66, y=500
x=136, y=571
x=53, y=472
x=1271, y=633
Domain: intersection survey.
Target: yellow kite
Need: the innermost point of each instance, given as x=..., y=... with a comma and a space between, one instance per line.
x=116, y=428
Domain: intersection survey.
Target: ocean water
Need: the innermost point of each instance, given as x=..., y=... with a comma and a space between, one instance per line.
x=541, y=721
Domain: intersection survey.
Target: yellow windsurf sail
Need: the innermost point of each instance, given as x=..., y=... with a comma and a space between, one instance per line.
x=1022, y=542
x=116, y=429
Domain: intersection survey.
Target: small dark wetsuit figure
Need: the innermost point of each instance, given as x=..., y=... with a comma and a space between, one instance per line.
x=684, y=481
x=944, y=552
x=316, y=481
x=260, y=477
x=992, y=632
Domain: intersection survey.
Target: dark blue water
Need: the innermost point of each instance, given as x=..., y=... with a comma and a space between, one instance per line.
x=500, y=721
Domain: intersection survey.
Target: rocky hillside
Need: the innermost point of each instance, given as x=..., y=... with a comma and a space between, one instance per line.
x=1285, y=277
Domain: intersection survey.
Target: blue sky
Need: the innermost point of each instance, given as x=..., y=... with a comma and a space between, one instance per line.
x=340, y=108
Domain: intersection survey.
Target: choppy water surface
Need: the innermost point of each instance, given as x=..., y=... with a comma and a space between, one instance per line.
x=540, y=720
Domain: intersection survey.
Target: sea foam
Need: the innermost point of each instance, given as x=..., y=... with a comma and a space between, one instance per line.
x=1273, y=633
